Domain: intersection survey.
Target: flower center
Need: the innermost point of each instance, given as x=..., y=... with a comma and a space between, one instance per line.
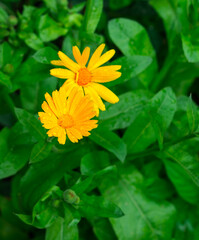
x=83, y=77
x=65, y=121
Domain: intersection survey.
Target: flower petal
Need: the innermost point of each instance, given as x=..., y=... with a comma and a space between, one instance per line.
x=96, y=56
x=51, y=103
x=95, y=97
x=107, y=68
x=57, y=63
x=104, y=58
x=105, y=93
x=54, y=131
x=105, y=76
x=47, y=109
x=62, y=136
x=77, y=55
x=68, y=62
x=62, y=73
x=85, y=56
x=58, y=103
x=70, y=136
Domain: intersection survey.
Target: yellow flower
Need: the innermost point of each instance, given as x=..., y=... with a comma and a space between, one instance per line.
x=68, y=116
x=87, y=78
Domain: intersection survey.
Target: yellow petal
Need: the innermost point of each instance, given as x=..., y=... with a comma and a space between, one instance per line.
x=49, y=125
x=95, y=97
x=70, y=136
x=62, y=73
x=105, y=93
x=72, y=95
x=51, y=104
x=104, y=58
x=107, y=68
x=76, y=102
x=105, y=76
x=96, y=56
x=77, y=55
x=47, y=109
x=85, y=56
x=62, y=136
x=54, y=131
x=57, y=102
x=57, y=62
x=76, y=133
x=45, y=117
x=68, y=62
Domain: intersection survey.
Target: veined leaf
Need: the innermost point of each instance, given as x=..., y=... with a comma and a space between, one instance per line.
x=151, y=220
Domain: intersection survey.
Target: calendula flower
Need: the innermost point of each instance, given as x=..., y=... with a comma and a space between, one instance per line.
x=68, y=116
x=87, y=78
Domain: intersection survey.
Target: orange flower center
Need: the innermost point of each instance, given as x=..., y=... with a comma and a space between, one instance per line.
x=65, y=121
x=83, y=77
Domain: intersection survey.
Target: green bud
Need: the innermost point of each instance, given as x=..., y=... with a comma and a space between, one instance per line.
x=71, y=197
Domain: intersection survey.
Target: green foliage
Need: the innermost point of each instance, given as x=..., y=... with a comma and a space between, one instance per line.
x=137, y=175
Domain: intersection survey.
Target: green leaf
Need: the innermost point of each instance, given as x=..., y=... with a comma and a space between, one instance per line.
x=93, y=162
x=5, y=53
x=50, y=30
x=109, y=141
x=143, y=133
x=63, y=228
x=190, y=47
x=132, y=39
x=5, y=80
x=162, y=108
x=12, y=156
x=40, y=151
x=184, y=170
x=3, y=17
x=103, y=229
x=92, y=15
x=93, y=180
x=46, y=210
x=192, y=115
x=42, y=175
x=122, y=114
x=92, y=206
x=129, y=36
x=32, y=94
x=31, y=123
x=45, y=55
x=35, y=71
x=33, y=41
x=182, y=181
x=168, y=12
x=131, y=67
x=151, y=220
x=152, y=122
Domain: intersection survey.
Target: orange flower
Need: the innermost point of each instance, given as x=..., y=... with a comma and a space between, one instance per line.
x=87, y=78
x=68, y=116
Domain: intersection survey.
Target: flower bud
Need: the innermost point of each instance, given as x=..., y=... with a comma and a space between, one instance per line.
x=71, y=197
